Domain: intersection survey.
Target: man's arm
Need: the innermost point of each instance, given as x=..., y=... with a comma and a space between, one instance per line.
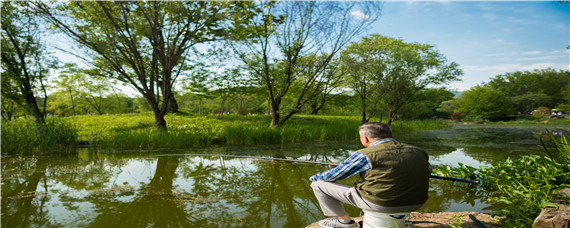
x=356, y=163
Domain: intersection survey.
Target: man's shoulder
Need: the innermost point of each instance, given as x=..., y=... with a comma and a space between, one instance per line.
x=391, y=145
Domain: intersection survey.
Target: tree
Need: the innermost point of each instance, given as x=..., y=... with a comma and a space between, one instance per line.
x=531, y=89
x=426, y=104
x=9, y=109
x=484, y=102
x=330, y=80
x=392, y=72
x=145, y=44
x=225, y=85
x=69, y=82
x=450, y=107
x=24, y=60
x=291, y=29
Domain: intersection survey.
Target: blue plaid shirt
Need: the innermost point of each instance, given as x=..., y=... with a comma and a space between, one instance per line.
x=354, y=164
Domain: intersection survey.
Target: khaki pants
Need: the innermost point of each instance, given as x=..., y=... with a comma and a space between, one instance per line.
x=331, y=195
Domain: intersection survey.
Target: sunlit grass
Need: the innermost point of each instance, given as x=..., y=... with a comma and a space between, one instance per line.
x=26, y=136
x=137, y=131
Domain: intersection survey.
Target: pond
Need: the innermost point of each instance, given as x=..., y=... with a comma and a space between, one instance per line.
x=183, y=188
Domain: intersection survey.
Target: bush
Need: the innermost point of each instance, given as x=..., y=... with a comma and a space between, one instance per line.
x=541, y=112
x=522, y=188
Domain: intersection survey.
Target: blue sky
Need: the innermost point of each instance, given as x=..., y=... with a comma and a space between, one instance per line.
x=485, y=38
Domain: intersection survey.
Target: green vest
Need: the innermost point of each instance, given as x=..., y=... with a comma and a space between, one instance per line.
x=399, y=175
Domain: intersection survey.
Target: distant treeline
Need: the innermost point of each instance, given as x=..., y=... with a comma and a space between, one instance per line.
x=276, y=58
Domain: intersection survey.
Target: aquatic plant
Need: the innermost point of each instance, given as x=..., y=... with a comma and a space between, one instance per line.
x=521, y=188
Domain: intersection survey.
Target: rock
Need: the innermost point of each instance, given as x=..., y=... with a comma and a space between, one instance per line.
x=443, y=219
x=555, y=217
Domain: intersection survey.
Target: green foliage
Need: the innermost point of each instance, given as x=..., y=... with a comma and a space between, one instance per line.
x=531, y=89
x=24, y=62
x=136, y=131
x=519, y=92
x=456, y=221
x=484, y=102
x=523, y=187
x=26, y=137
x=541, y=112
x=426, y=104
x=390, y=73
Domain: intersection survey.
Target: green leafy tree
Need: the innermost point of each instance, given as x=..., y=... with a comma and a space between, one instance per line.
x=484, y=102
x=145, y=44
x=566, y=95
x=426, y=104
x=68, y=82
x=392, y=73
x=24, y=60
x=449, y=107
x=531, y=89
x=289, y=30
x=226, y=84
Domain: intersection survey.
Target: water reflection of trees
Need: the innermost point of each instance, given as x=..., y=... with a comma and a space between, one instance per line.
x=27, y=186
x=22, y=206
x=183, y=191
x=155, y=204
x=272, y=194
x=443, y=193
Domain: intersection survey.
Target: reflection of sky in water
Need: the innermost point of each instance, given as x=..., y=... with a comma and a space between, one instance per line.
x=454, y=158
x=472, y=146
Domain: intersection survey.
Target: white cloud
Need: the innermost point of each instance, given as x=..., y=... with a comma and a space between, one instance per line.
x=532, y=53
x=359, y=14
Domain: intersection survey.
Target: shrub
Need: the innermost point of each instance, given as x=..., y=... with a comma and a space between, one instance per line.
x=522, y=187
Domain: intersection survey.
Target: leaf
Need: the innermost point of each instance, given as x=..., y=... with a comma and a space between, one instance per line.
x=545, y=204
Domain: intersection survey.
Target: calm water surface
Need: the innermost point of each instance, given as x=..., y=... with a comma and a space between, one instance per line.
x=182, y=189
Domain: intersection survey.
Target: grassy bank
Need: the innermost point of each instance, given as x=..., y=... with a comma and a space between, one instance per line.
x=521, y=121
x=137, y=131
x=26, y=137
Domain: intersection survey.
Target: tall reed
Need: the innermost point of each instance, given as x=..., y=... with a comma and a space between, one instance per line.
x=136, y=131
x=26, y=137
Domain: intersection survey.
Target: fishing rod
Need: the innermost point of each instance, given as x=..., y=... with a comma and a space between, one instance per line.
x=309, y=162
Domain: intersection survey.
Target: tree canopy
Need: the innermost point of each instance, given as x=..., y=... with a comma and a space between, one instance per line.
x=389, y=72
x=145, y=44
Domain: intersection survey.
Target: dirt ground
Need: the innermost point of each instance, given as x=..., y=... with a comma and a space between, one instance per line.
x=443, y=219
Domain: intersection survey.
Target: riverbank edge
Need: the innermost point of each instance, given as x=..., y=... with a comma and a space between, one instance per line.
x=441, y=219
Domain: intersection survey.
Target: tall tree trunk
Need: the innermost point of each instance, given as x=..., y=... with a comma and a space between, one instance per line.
x=32, y=106
x=172, y=104
x=391, y=117
x=221, y=110
x=274, y=114
x=363, y=110
x=159, y=121
x=158, y=113
x=72, y=103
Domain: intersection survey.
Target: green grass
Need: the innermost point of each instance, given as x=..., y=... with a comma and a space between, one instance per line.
x=25, y=137
x=137, y=131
